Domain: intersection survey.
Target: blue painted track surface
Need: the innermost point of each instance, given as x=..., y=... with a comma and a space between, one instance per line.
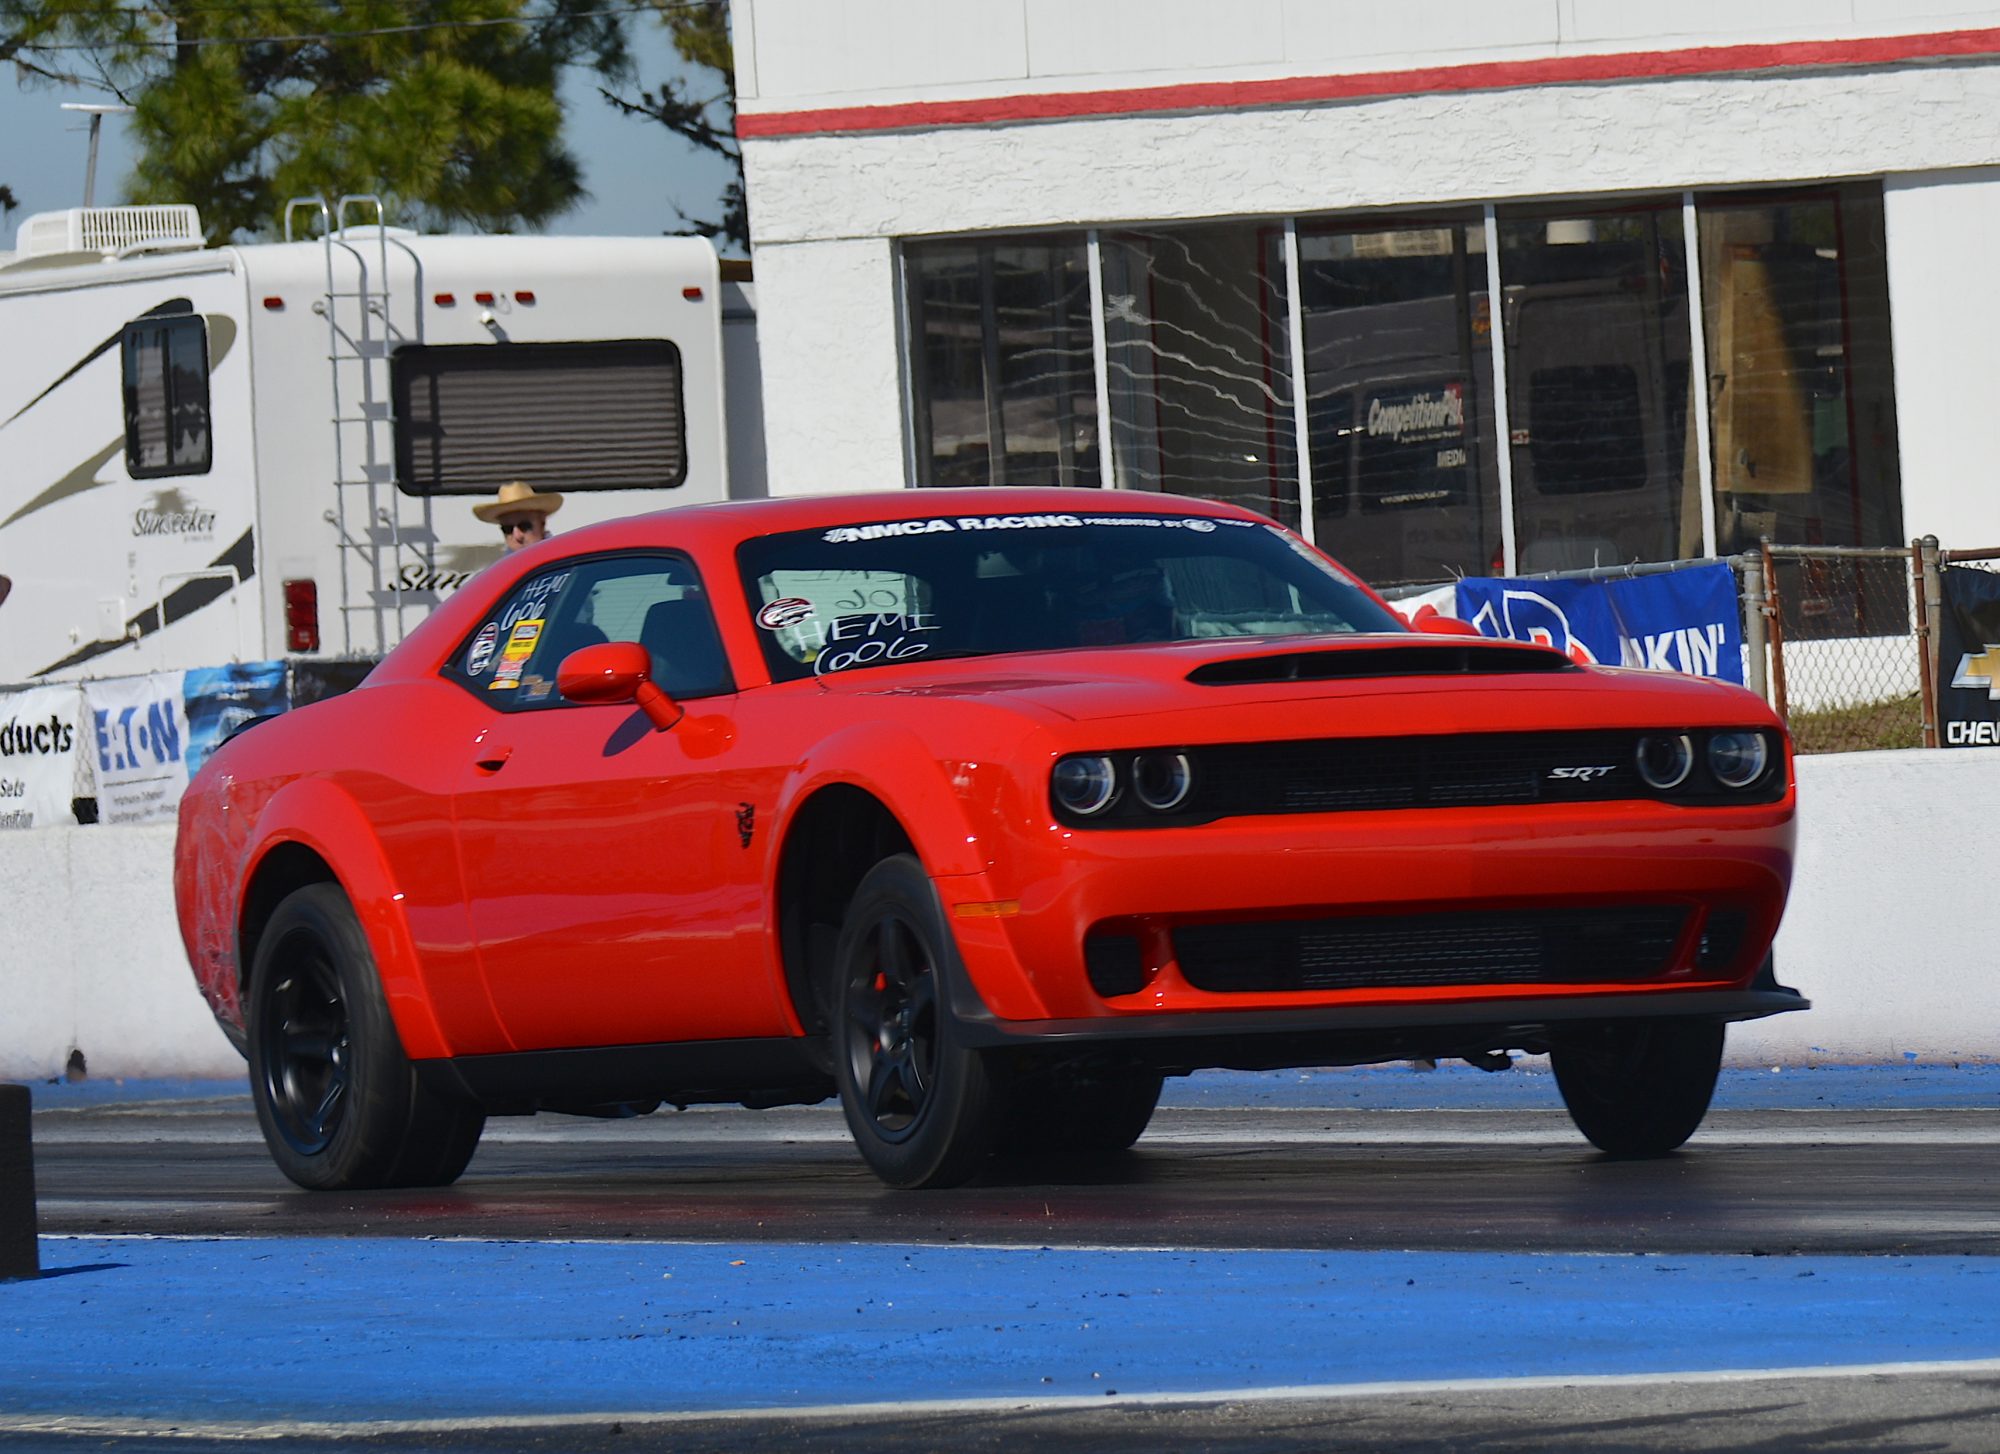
x=344, y=1330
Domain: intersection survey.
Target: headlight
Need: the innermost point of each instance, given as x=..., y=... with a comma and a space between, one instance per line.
x=1085, y=786
x=1162, y=780
x=1665, y=759
x=1738, y=759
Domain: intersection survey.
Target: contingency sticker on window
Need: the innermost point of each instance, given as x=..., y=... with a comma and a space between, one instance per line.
x=480, y=655
x=520, y=646
x=786, y=611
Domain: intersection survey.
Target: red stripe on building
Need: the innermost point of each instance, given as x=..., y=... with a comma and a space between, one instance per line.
x=1721, y=60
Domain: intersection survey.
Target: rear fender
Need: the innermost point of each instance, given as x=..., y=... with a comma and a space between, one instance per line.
x=315, y=814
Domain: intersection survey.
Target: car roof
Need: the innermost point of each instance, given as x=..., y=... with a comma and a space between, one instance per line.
x=725, y=524
x=715, y=530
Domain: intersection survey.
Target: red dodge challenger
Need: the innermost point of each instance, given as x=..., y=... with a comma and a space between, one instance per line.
x=982, y=810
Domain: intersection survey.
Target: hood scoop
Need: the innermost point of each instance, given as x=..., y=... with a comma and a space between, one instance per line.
x=1349, y=663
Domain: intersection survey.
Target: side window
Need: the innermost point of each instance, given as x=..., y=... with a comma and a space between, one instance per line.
x=655, y=600
x=166, y=397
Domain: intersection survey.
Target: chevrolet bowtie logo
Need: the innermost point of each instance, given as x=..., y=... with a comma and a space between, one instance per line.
x=1982, y=670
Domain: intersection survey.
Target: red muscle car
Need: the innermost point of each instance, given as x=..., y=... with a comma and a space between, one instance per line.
x=982, y=810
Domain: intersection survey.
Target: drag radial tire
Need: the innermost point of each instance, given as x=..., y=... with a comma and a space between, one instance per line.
x=922, y=1107
x=1641, y=1087
x=1066, y=1111
x=340, y=1105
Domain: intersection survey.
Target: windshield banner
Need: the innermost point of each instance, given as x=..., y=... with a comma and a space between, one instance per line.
x=40, y=739
x=1680, y=621
x=1969, y=659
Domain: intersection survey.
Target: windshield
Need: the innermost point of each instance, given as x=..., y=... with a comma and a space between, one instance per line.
x=875, y=593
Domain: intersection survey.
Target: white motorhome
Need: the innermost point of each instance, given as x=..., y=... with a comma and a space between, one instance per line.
x=245, y=452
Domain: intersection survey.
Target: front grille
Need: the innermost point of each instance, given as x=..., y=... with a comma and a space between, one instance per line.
x=1416, y=772
x=1487, y=769
x=1504, y=947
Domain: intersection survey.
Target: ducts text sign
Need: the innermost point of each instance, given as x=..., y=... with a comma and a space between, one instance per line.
x=41, y=735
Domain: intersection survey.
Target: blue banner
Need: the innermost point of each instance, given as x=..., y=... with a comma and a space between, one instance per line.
x=222, y=699
x=1684, y=620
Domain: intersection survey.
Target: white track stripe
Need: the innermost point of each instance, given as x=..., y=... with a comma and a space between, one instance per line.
x=112, y=1427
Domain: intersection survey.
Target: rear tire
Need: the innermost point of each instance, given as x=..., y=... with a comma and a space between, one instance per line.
x=922, y=1107
x=1639, y=1088
x=341, y=1107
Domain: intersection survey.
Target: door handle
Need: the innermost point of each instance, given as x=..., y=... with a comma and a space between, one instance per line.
x=494, y=759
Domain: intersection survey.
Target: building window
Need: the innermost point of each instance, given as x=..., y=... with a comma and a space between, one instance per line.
x=1595, y=309
x=1604, y=399
x=1198, y=365
x=1004, y=388
x=1399, y=398
x=1796, y=313
x=166, y=397
x=563, y=416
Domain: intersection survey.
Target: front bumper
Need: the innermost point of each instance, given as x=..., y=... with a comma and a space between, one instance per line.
x=1022, y=928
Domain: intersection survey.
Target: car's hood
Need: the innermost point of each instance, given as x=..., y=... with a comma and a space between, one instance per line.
x=1328, y=684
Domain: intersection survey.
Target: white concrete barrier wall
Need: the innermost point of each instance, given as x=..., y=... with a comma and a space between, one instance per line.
x=1891, y=931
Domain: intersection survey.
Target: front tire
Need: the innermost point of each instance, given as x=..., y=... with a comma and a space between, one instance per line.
x=1066, y=1111
x=922, y=1107
x=341, y=1107
x=1639, y=1089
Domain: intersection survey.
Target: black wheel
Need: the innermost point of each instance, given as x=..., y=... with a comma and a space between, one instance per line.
x=1067, y=1111
x=1639, y=1088
x=921, y=1106
x=340, y=1105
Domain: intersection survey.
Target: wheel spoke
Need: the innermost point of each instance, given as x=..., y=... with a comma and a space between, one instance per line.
x=309, y=1044
x=328, y=1109
x=892, y=948
x=882, y=1070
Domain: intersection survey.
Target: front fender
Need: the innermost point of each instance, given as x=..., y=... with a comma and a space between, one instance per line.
x=318, y=815
x=895, y=766
x=957, y=812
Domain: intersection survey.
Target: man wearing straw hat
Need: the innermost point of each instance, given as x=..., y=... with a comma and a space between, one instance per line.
x=521, y=512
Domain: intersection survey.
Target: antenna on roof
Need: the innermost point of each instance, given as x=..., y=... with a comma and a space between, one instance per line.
x=97, y=111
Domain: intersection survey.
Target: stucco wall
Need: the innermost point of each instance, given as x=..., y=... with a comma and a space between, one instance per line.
x=1888, y=932
x=812, y=52
x=1944, y=318
x=1933, y=131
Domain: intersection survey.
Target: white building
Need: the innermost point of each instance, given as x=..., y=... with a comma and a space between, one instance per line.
x=1256, y=250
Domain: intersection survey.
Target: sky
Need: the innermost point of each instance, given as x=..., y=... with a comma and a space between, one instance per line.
x=634, y=168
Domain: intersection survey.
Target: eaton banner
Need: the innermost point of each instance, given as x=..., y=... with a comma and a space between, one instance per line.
x=138, y=736
x=1681, y=621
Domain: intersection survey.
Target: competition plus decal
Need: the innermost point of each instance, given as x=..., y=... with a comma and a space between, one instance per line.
x=520, y=646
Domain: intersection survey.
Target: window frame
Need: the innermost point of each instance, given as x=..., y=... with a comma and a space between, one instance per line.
x=167, y=324
x=404, y=374
x=481, y=687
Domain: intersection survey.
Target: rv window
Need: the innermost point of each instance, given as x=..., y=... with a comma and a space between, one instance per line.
x=562, y=416
x=166, y=397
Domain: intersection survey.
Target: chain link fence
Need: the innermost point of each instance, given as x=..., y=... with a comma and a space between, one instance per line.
x=1846, y=661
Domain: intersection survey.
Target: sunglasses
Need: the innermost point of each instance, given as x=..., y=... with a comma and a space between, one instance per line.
x=529, y=523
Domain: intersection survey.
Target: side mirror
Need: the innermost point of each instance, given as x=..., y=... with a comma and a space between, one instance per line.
x=617, y=671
